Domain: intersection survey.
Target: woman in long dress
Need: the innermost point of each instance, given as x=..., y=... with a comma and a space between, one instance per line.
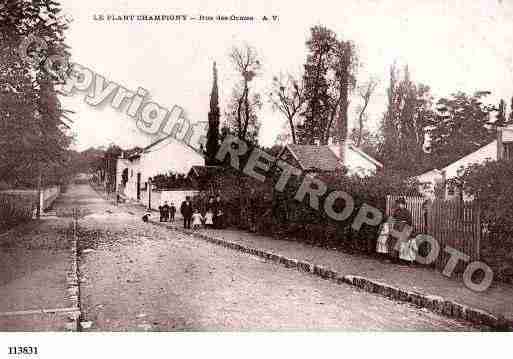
x=401, y=218
x=384, y=233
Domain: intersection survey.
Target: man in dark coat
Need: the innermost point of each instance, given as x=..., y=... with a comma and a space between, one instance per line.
x=187, y=211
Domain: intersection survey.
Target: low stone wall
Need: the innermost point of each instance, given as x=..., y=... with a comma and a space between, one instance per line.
x=176, y=197
x=48, y=195
x=158, y=197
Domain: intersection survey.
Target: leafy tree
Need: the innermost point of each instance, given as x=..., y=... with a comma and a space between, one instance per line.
x=31, y=127
x=490, y=184
x=110, y=166
x=460, y=127
x=409, y=112
x=329, y=77
x=344, y=68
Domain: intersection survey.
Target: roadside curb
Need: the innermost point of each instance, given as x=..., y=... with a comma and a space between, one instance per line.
x=73, y=289
x=433, y=303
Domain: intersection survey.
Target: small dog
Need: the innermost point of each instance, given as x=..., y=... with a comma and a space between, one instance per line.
x=146, y=217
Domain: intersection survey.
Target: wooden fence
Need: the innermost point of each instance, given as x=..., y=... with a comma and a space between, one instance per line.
x=415, y=206
x=458, y=225
x=453, y=224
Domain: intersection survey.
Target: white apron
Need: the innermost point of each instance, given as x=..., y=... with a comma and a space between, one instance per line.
x=381, y=245
x=408, y=250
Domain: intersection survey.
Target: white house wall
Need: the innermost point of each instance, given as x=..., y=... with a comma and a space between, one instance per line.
x=169, y=156
x=134, y=167
x=488, y=152
x=160, y=159
x=354, y=161
x=357, y=164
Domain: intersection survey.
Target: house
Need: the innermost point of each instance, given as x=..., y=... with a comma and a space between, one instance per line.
x=330, y=157
x=134, y=169
x=437, y=179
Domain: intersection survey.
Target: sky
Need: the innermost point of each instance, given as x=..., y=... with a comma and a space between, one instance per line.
x=449, y=45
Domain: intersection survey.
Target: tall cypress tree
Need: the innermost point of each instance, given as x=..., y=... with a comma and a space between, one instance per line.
x=213, y=124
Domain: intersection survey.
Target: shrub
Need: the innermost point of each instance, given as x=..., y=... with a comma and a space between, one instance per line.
x=492, y=186
x=171, y=181
x=15, y=209
x=255, y=206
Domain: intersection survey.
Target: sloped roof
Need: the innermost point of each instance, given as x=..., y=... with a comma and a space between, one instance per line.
x=325, y=158
x=482, y=154
x=314, y=157
x=132, y=152
x=205, y=171
x=365, y=155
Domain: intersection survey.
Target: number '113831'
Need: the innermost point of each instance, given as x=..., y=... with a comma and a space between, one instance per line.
x=22, y=350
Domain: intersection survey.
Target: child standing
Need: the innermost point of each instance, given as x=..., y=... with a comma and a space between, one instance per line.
x=209, y=219
x=196, y=220
x=172, y=211
x=164, y=212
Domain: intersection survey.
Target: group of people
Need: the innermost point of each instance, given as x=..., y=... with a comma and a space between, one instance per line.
x=213, y=216
x=387, y=244
x=167, y=212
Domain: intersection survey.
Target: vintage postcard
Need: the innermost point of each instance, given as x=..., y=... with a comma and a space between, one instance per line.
x=254, y=166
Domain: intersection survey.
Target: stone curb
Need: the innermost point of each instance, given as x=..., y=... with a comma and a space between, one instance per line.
x=433, y=303
x=73, y=289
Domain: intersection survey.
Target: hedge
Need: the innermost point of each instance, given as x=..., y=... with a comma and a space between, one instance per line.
x=257, y=207
x=15, y=209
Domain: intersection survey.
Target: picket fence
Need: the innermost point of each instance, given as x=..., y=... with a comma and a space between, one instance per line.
x=455, y=224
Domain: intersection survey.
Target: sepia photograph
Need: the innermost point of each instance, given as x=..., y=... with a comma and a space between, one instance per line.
x=254, y=168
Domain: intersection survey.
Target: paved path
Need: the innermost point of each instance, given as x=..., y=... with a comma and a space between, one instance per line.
x=140, y=276
x=498, y=299
x=34, y=262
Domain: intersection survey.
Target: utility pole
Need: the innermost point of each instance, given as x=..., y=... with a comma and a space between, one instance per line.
x=39, y=184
